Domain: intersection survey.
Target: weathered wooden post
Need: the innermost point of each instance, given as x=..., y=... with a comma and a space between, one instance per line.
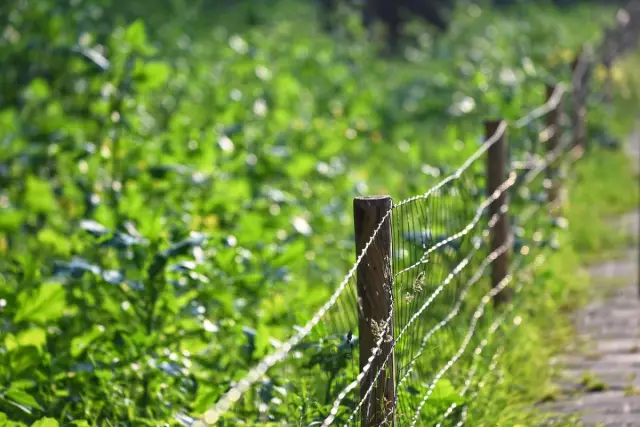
x=499, y=233
x=375, y=294
x=579, y=108
x=553, y=126
x=607, y=62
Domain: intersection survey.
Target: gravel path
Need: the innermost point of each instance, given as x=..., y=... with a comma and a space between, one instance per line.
x=602, y=379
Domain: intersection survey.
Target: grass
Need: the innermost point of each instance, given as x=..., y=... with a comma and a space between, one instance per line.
x=603, y=186
x=591, y=383
x=630, y=390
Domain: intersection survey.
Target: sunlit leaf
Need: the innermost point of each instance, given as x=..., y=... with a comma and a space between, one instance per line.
x=36, y=337
x=22, y=399
x=39, y=196
x=43, y=305
x=75, y=269
x=80, y=343
x=136, y=36
x=445, y=392
x=45, y=422
x=93, y=227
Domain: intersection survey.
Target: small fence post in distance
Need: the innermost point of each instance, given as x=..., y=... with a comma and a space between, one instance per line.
x=499, y=233
x=375, y=293
x=607, y=62
x=579, y=109
x=553, y=126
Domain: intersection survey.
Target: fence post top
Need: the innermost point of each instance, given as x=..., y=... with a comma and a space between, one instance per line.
x=491, y=126
x=372, y=198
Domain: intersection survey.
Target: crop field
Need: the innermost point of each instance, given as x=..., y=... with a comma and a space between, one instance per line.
x=176, y=192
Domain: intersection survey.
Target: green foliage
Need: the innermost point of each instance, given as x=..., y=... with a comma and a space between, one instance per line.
x=175, y=194
x=612, y=193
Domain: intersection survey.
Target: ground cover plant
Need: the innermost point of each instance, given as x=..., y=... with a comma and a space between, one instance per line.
x=175, y=194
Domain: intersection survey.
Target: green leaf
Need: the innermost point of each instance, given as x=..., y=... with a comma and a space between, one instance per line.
x=79, y=344
x=302, y=167
x=44, y=305
x=23, y=359
x=38, y=197
x=38, y=90
x=206, y=396
x=174, y=304
x=445, y=392
x=136, y=36
x=11, y=220
x=294, y=253
x=262, y=341
x=135, y=33
x=45, y=422
x=21, y=399
x=36, y=337
x=156, y=73
x=10, y=342
x=50, y=239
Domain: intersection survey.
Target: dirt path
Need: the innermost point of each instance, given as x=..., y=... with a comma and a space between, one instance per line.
x=602, y=376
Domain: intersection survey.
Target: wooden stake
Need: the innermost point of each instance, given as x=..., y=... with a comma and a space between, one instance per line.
x=375, y=294
x=496, y=176
x=553, y=126
x=578, y=95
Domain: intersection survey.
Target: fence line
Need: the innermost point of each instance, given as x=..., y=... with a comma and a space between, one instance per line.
x=383, y=338
x=498, y=251
x=233, y=395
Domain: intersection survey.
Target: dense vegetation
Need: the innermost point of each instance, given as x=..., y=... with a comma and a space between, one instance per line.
x=172, y=186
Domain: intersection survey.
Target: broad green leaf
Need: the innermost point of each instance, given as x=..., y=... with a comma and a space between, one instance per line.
x=292, y=254
x=80, y=343
x=24, y=358
x=444, y=391
x=38, y=90
x=156, y=73
x=302, y=166
x=10, y=219
x=10, y=342
x=176, y=304
x=136, y=36
x=50, y=239
x=250, y=227
x=206, y=396
x=38, y=197
x=45, y=422
x=136, y=33
x=36, y=337
x=22, y=399
x=261, y=341
x=44, y=305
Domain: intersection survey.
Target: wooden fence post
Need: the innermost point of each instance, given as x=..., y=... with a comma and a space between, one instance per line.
x=499, y=234
x=375, y=293
x=579, y=108
x=607, y=62
x=553, y=126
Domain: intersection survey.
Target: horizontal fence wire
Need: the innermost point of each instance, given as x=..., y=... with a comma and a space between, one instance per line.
x=439, y=253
